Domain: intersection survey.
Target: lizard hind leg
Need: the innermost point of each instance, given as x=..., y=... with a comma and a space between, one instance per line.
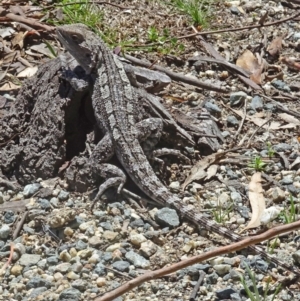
x=114, y=178
x=149, y=133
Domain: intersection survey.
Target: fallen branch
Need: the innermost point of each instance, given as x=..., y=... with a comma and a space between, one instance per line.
x=196, y=259
x=176, y=76
x=239, y=28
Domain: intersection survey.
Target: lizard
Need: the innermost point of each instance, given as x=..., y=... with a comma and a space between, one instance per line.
x=115, y=109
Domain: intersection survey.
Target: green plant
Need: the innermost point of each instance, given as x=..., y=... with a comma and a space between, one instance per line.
x=289, y=216
x=153, y=34
x=254, y=296
x=221, y=214
x=165, y=43
x=198, y=10
x=257, y=164
x=270, y=150
x=271, y=247
x=81, y=12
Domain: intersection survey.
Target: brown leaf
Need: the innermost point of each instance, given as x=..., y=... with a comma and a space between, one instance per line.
x=250, y=63
x=275, y=47
x=291, y=63
x=198, y=171
x=289, y=118
x=211, y=171
x=19, y=39
x=257, y=201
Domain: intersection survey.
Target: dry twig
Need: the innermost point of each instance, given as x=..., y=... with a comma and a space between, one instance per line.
x=196, y=259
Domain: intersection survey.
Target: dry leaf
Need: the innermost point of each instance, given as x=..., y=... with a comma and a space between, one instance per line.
x=275, y=47
x=291, y=63
x=289, y=118
x=250, y=63
x=19, y=39
x=28, y=72
x=257, y=201
x=211, y=171
x=9, y=86
x=198, y=170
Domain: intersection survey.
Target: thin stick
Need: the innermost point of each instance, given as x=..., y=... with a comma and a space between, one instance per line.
x=238, y=29
x=196, y=259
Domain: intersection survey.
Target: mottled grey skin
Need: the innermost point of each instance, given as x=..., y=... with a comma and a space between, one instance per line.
x=115, y=107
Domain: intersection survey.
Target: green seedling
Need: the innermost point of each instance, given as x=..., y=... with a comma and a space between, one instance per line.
x=270, y=150
x=255, y=296
x=257, y=164
x=289, y=216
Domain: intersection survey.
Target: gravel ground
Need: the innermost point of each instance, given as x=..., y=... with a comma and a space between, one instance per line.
x=65, y=252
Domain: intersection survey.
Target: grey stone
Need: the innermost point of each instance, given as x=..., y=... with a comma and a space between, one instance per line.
x=70, y=294
x=63, y=267
x=236, y=197
x=282, y=147
x=222, y=269
x=121, y=265
x=226, y=134
x=4, y=231
x=237, y=98
x=9, y=217
x=117, y=205
x=269, y=107
x=225, y=293
x=174, y=186
x=37, y=291
x=28, y=229
x=286, y=181
x=235, y=275
x=52, y=260
x=232, y=120
x=257, y=103
x=235, y=11
x=76, y=267
x=70, y=203
x=293, y=190
x=137, y=260
x=235, y=297
x=42, y=264
x=44, y=203
x=100, y=269
x=79, y=284
x=29, y=259
x=167, y=217
x=296, y=257
x=213, y=109
x=231, y=174
x=63, y=195
x=81, y=245
x=31, y=189
x=281, y=85
x=106, y=226
x=54, y=202
x=212, y=278
x=76, y=222
x=36, y=282
x=106, y=256
x=137, y=223
x=296, y=36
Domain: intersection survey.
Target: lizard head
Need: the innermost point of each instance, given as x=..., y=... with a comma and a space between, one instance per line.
x=77, y=39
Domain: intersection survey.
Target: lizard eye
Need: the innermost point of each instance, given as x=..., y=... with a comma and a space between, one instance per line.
x=87, y=55
x=75, y=38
